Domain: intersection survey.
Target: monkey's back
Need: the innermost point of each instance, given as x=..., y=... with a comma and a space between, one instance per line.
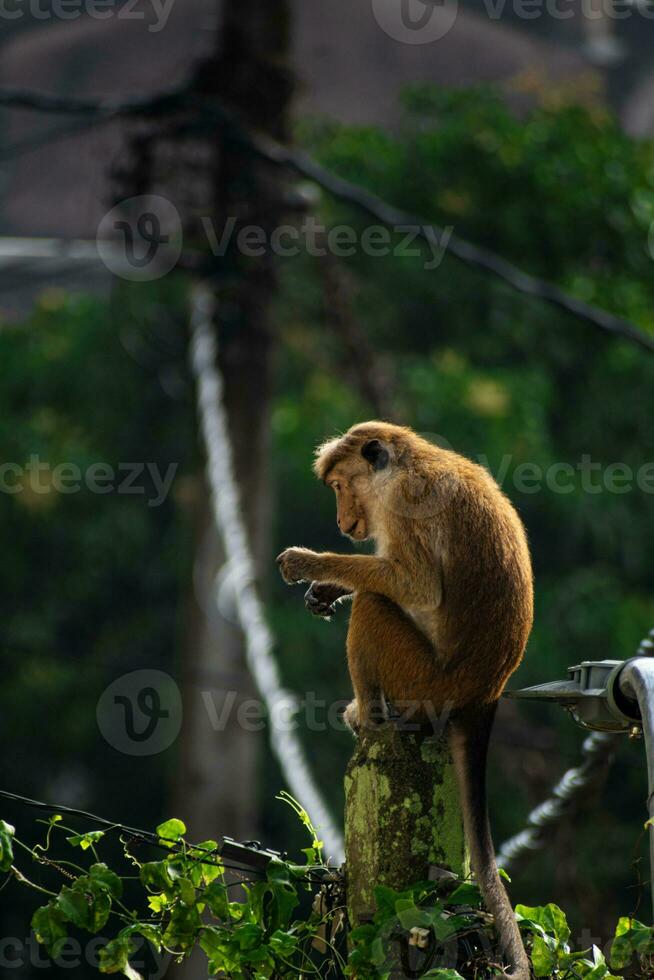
x=480, y=628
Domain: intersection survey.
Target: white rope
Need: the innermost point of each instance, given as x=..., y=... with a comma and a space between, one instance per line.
x=597, y=752
x=259, y=643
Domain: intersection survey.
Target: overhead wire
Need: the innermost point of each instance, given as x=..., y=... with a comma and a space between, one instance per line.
x=212, y=112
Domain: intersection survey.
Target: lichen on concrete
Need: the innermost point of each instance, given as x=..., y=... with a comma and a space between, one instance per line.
x=402, y=814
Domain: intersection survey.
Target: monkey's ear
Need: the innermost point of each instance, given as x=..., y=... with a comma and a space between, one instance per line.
x=375, y=454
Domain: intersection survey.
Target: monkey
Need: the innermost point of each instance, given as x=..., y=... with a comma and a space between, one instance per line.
x=441, y=612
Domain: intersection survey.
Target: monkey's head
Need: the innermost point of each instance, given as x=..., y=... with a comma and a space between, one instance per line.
x=361, y=467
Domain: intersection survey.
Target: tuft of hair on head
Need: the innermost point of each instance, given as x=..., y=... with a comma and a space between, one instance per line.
x=331, y=452
x=328, y=454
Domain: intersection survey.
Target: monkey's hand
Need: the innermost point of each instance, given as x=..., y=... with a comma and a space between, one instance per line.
x=297, y=565
x=320, y=598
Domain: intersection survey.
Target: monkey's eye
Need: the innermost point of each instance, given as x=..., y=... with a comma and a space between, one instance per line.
x=336, y=486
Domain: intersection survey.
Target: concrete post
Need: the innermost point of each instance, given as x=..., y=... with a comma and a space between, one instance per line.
x=402, y=814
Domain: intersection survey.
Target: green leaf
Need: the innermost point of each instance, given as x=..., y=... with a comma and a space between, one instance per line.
x=49, y=928
x=358, y=958
x=272, y=903
x=186, y=891
x=217, y=899
x=206, y=847
x=542, y=957
x=410, y=915
x=176, y=867
x=446, y=926
x=363, y=934
x=283, y=943
x=549, y=917
x=205, y=871
x=385, y=899
x=279, y=871
x=150, y=932
x=6, y=847
x=219, y=947
x=170, y=832
x=313, y=854
x=236, y=911
x=74, y=906
x=158, y=902
x=106, y=879
x=260, y=955
x=285, y=901
x=466, y=894
x=249, y=935
x=600, y=969
x=377, y=952
x=86, y=840
x=631, y=937
x=530, y=926
x=86, y=904
x=155, y=875
x=441, y=974
x=183, y=927
x=114, y=957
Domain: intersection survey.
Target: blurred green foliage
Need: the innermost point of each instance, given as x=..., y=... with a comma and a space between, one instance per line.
x=94, y=585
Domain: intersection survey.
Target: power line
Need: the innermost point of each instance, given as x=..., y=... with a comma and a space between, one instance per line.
x=470, y=254
x=146, y=836
x=20, y=98
x=228, y=518
x=215, y=112
x=74, y=812
x=35, y=142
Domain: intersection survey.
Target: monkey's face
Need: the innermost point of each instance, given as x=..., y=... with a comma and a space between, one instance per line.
x=351, y=514
x=355, y=481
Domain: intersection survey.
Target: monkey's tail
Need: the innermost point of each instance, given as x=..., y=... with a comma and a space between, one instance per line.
x=470, y=731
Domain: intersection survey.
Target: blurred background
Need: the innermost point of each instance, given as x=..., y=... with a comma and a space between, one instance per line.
x=523, y=127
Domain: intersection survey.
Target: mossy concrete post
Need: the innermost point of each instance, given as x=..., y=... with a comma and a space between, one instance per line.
x=402, y=815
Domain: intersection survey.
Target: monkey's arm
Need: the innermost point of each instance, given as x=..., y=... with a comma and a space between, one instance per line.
x=362, y=573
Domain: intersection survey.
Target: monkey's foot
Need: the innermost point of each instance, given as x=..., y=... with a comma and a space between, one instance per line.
x=371, y=714
x=351, y=717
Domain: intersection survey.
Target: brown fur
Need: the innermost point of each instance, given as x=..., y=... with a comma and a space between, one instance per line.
x=441, y=612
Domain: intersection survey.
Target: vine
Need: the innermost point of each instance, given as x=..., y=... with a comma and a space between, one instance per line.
x=262, y=924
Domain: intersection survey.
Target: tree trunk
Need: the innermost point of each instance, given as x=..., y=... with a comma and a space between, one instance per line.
x=219, y=771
